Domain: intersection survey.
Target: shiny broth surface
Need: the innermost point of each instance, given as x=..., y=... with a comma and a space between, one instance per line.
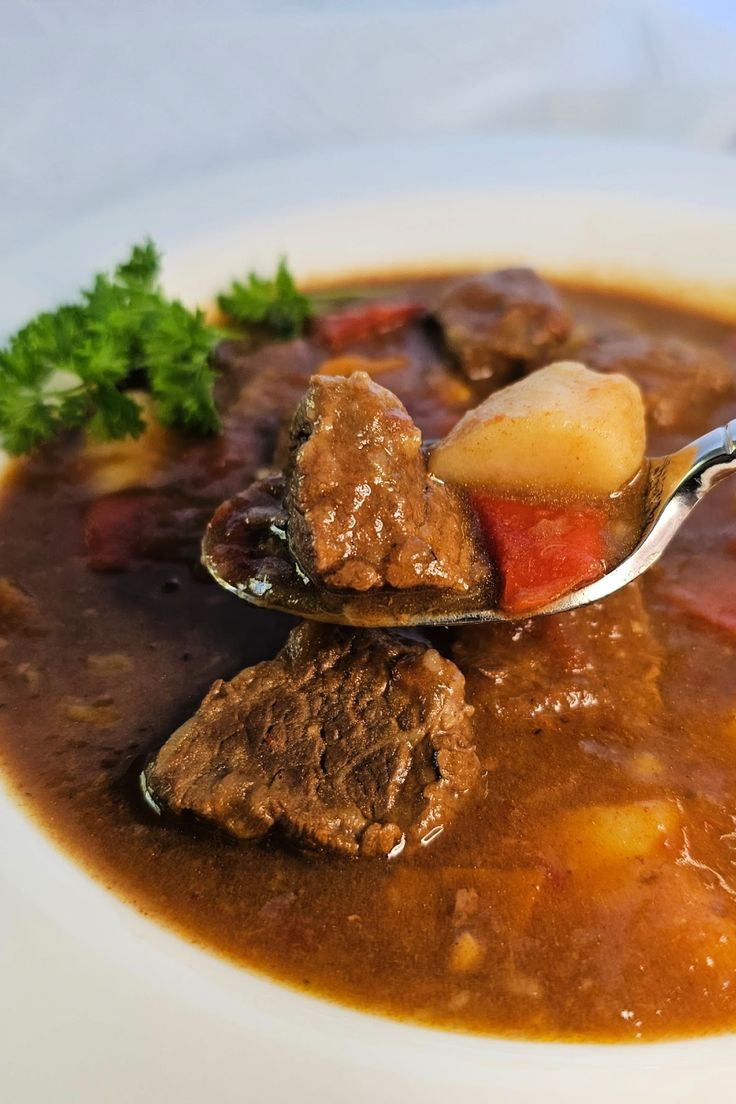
x=587, y=890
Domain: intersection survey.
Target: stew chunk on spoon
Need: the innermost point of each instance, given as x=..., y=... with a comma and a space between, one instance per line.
x=533, y=493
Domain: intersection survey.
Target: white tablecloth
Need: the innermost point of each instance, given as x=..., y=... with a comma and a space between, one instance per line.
x=100, y=100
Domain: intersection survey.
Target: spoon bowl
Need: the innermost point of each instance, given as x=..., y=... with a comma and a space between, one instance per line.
x=245, y=549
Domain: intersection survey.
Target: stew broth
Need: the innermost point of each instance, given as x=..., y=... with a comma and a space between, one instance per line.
x=587, y=890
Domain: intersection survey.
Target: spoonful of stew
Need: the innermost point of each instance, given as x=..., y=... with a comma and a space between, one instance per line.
x=538, y=501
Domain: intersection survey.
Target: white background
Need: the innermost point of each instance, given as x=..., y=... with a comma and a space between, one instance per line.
x=101, y=100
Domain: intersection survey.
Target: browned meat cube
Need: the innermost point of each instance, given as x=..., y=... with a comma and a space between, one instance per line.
x=502, y=323
x=363, y=511
x=679, y=381
x=354, y=741
x=261, y=390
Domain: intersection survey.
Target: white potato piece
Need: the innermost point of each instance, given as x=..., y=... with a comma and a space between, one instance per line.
x=564, y=430
x=114, y=466
x=595, y=836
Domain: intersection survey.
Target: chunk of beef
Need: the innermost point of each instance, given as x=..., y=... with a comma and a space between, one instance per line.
x=260, y=392
x=363, y=511
x=679, y=380
x=501, y=323
x=266, y=379
x=354, y=741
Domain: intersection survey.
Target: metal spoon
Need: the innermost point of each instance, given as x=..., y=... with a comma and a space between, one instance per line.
x=245, y=549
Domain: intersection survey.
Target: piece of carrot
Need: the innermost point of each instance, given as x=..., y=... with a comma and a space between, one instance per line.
x=123, y=529
x=349, y=327
x=541, y=552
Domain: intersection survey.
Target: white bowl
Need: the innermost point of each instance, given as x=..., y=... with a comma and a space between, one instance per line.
x=101, y=1004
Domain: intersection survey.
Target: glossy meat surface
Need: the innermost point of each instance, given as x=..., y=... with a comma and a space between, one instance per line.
x=357, y=742
x=502, y=323
x=363, y=511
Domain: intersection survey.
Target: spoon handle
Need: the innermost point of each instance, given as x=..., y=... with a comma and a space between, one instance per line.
x=711, y=459
x=676, y=484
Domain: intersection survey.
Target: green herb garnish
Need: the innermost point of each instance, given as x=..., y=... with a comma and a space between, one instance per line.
x=80, y=364
x=71, y=367
x=276, y=304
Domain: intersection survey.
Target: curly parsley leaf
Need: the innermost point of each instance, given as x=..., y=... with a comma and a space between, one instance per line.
x=176, y=346
x=74, y=366
x=71, y=367
x=275, y=304
x=142, y=267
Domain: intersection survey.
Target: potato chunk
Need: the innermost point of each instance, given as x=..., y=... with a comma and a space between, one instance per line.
x=596, y=836
x=562, y=430
x=118, y=465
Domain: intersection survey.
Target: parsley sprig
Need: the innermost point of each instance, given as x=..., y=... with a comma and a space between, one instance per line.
x=80, y=364
x=71, y=367
x=275, y=304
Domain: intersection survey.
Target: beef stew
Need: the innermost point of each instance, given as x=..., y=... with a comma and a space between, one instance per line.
x=583, y=886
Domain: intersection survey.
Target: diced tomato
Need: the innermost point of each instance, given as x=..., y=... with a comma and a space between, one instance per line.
x=348, y=327
x=541, y=552
x=116, y=529
x=122, y=529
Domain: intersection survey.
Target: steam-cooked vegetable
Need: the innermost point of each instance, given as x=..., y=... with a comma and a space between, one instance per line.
x=563, y=430
x=361, y=323
x=540, y=551
x=594, y=836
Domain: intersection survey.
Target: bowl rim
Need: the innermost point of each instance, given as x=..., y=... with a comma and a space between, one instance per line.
x=204, y=224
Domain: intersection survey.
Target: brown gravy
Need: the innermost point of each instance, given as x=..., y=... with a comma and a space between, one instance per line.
x=507, y=924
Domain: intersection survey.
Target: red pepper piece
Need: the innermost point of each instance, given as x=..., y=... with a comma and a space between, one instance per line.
x=116, y=530
x=541, y=552
x=122, y=529
x=349, y=327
